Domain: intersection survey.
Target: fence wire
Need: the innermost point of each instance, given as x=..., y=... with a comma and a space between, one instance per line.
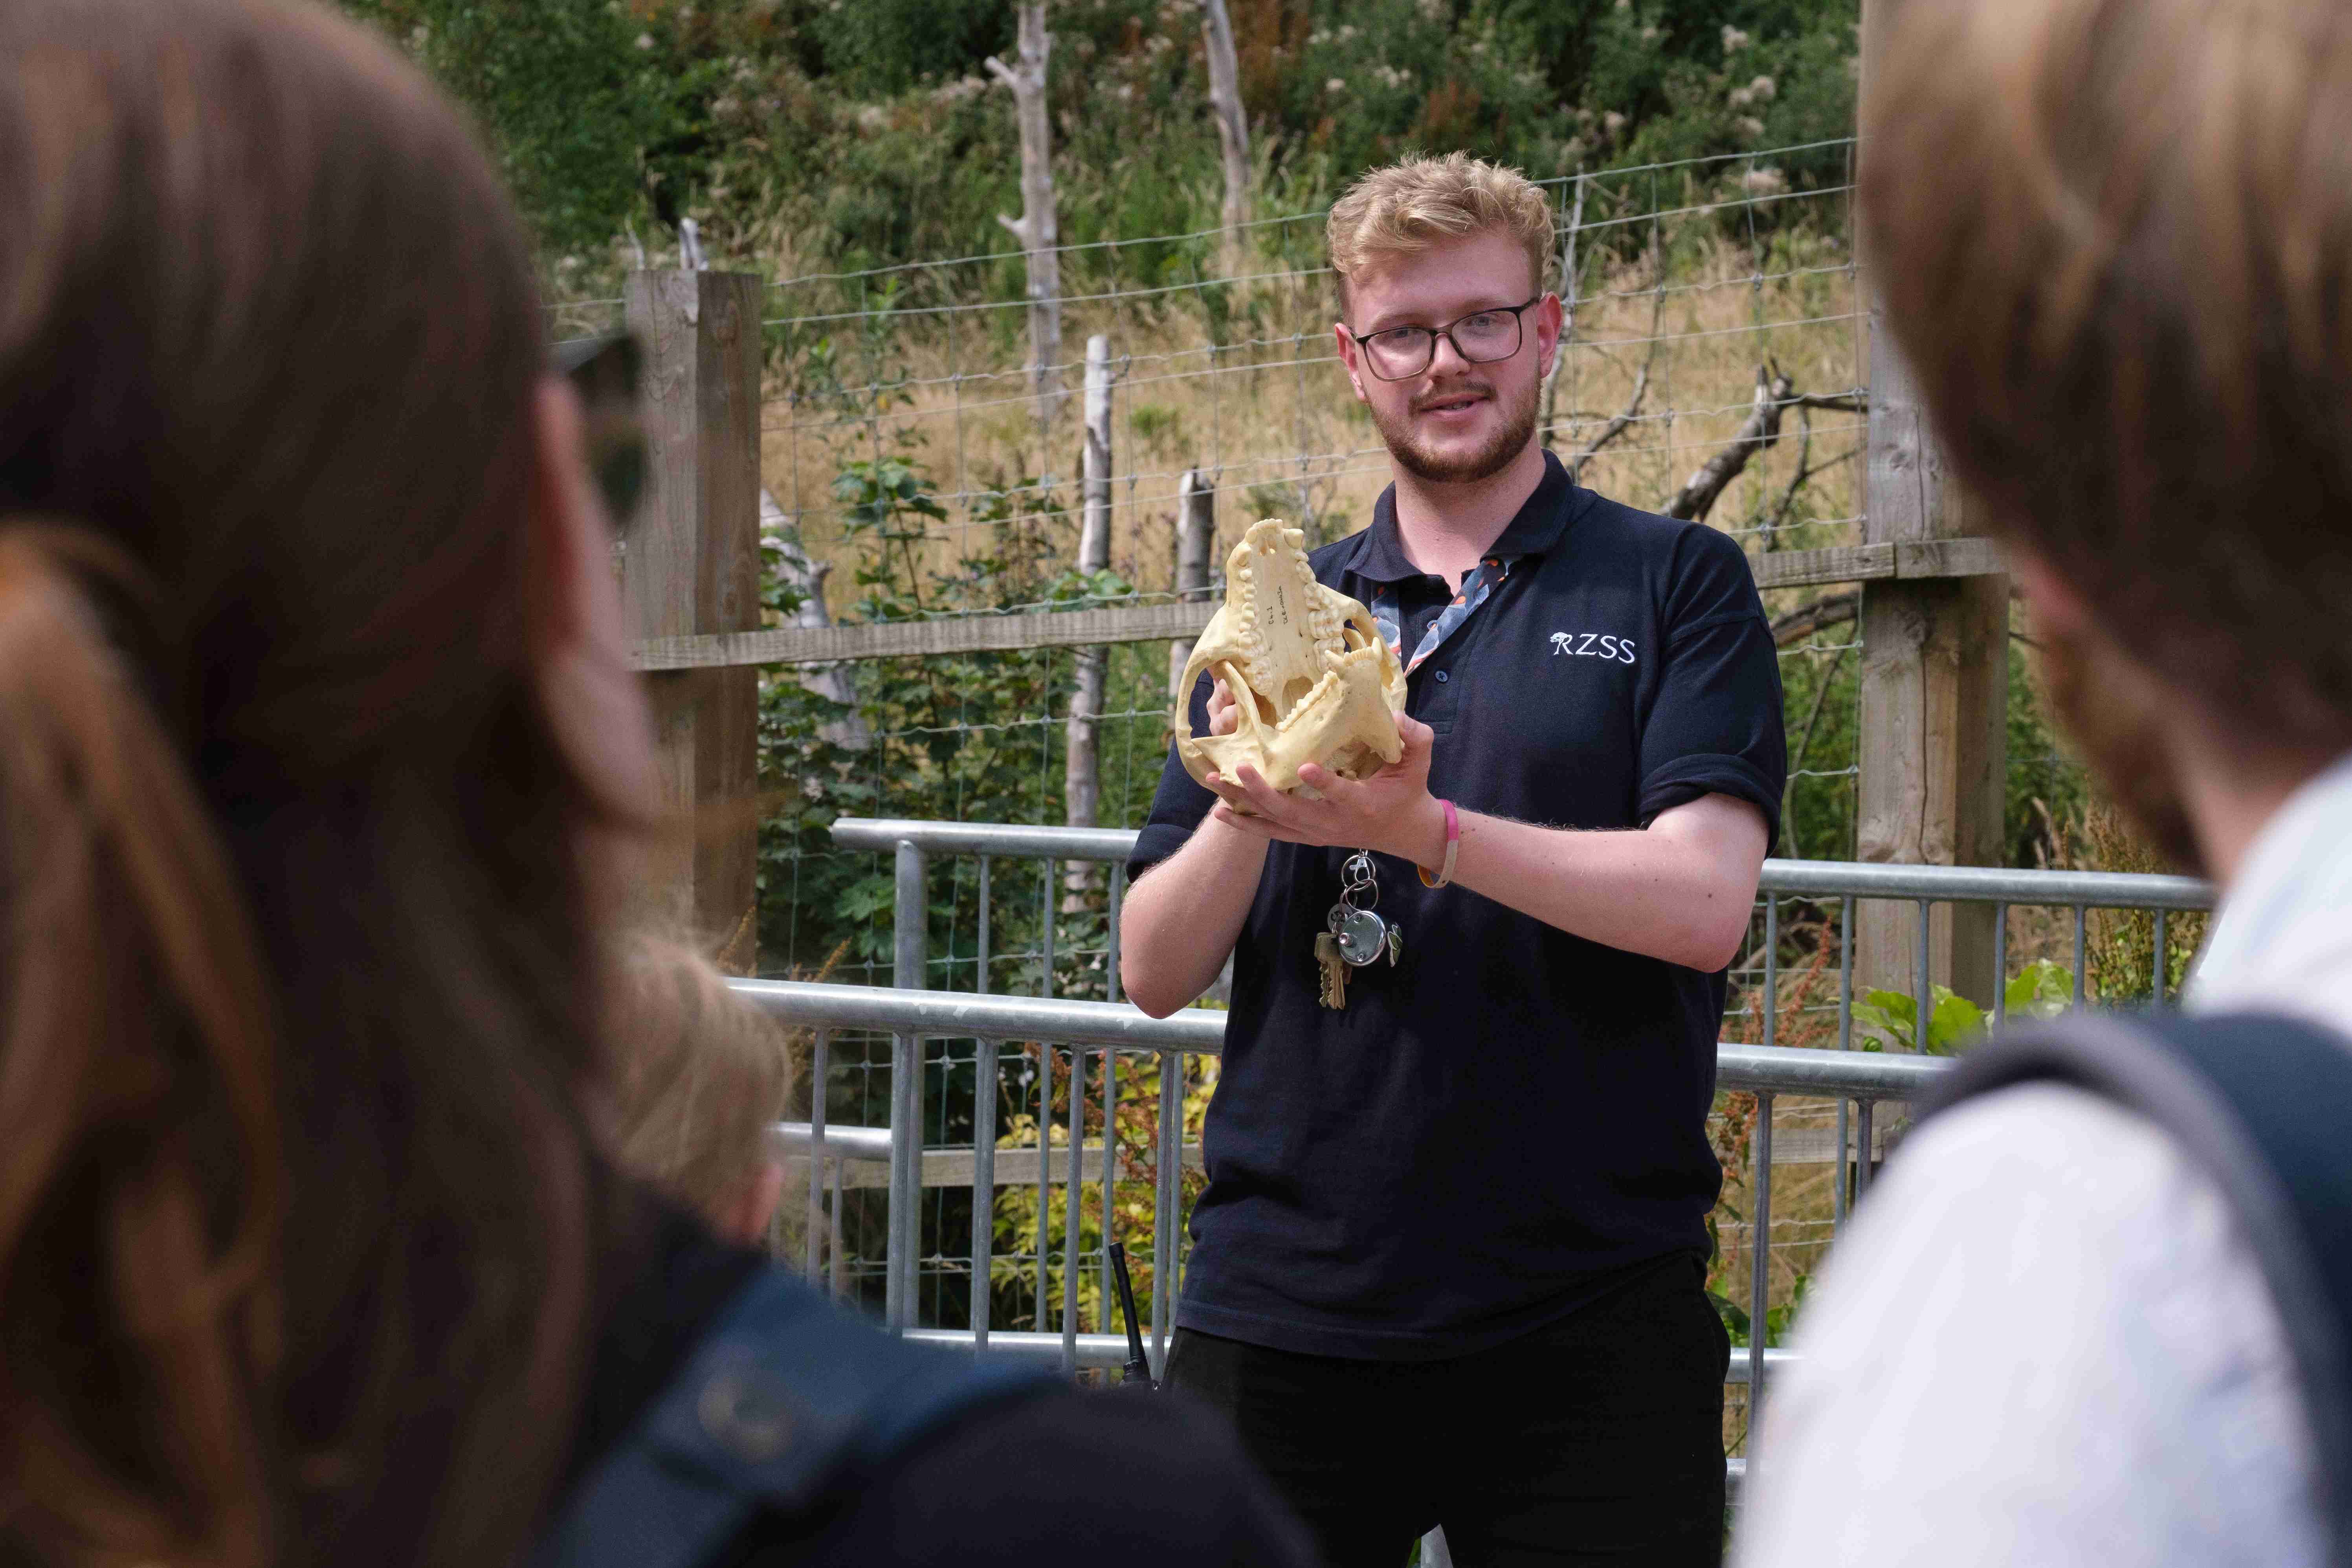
x=912, y=460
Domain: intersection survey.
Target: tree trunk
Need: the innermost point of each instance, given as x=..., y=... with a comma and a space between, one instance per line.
x=1568, y=281
x=1233, y=129
x=1038, y=229
x=1759, y=431
x=1196, y=533
x=806, y=578
x=1082, y=786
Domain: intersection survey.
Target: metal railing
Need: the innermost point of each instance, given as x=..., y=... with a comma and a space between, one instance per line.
x=1859, y=1082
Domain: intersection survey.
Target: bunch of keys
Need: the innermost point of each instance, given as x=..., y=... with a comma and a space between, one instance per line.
x=1355, y=935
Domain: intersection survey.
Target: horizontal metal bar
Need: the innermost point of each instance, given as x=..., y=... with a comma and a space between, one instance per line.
x=1046, y=1350
x=1815, y=878
x=1018, y=840
x=1985, y=884
x=1788, y=1069
x=794, y=1140
x=962, y=1015
x=1110, y=1350
x=1015, y=1166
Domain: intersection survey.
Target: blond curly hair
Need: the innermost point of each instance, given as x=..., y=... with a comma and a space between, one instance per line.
x=700, y=1077
x=1421, y=201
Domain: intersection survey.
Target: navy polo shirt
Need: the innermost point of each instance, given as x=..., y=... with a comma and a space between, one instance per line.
x=1513, y=1120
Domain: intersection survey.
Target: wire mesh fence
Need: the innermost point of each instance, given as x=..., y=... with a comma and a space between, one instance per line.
x=1713, y=365
x=1796, y=1138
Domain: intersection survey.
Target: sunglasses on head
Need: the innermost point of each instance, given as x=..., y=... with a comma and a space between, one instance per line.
x=604, y=370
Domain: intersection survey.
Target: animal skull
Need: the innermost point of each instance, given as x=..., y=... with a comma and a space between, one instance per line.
x=1311, y=675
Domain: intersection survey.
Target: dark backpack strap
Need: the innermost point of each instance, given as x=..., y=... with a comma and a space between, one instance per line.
x=2260, y=1104
x=784, y=1397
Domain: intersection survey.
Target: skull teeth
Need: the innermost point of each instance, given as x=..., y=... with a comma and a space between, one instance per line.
x=1308, y=703
x=1321, y=685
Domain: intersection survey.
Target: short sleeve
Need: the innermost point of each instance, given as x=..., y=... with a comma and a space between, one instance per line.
x=1178, y=805
x=1714, y=724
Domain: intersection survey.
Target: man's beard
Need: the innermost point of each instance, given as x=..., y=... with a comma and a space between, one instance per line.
x=1404, y=446
x=2107, y=711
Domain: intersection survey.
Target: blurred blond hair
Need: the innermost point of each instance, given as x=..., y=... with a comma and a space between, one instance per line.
x=699, y=1075
x=1418, y=201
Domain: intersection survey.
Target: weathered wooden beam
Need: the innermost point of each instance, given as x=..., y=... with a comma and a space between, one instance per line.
x=1917, y=559
x=1933, y=734
x=1904, y=559
x=917, y=639
x=690, y=570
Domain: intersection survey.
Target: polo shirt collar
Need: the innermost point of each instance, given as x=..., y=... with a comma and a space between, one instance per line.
x=1534, y=530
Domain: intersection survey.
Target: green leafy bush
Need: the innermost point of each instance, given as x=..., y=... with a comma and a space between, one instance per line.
x=1889, y=1020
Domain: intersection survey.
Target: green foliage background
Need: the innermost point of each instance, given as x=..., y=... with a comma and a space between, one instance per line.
x=865, y=132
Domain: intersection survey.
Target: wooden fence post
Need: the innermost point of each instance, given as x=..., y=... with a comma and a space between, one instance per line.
x=690, y=565
x=1233, y=132
x=1081, y=772
x=1934, y=742
x=1039, y=227
x=1196, y=534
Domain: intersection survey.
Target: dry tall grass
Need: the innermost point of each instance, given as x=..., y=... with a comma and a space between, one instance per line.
x=1252, y=394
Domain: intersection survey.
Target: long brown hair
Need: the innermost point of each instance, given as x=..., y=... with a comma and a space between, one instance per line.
x=2115, y=241
x=297, y=1212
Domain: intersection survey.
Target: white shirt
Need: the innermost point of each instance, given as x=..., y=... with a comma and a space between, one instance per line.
x=2044, y=1339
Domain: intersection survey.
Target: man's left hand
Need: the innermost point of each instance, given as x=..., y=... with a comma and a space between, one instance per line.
x=1390, y=813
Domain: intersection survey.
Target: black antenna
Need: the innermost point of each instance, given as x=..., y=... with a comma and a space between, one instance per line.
x=1138, y=1369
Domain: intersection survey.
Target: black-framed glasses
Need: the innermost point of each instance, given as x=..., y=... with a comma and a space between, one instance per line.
x=1481, y=337
x=604, y=371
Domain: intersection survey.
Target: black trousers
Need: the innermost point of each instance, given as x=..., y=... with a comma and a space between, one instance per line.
x=1597, y=1439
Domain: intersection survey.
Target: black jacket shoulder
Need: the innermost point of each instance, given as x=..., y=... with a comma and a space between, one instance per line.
x=1143, y=1480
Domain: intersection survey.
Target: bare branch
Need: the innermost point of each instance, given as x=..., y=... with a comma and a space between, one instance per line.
x=1843, y=402
x=1618, y=423
x=1759, y=430
x=1813, y=718
x=1796, y=480
x=1813, y=472
x=1830, y=610
x=1003, y=72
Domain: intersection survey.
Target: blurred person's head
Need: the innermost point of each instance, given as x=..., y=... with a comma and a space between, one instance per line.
x=1428, y=243
x=315, y=736
x=2114, y=238
x=700, y=1077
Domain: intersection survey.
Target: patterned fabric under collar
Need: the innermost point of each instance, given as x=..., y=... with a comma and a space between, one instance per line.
x=1468, y=597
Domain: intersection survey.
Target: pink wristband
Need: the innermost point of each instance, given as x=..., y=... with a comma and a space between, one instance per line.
x=1452, y=847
